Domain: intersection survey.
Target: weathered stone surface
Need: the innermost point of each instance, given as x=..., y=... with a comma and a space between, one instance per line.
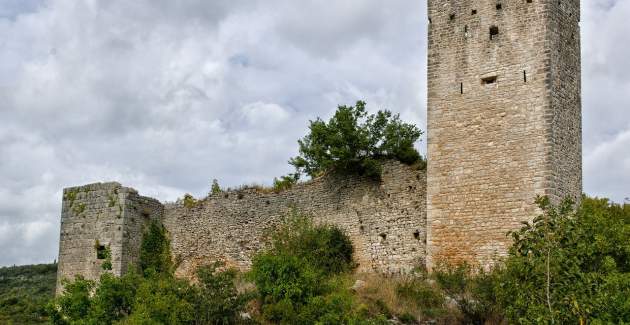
x=504, y=120
x=385, y=220
x=105, y=213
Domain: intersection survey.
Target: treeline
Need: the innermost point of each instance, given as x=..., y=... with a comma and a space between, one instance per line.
x=24, y=291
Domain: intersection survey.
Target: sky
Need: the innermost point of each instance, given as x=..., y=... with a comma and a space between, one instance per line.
x=165, y=96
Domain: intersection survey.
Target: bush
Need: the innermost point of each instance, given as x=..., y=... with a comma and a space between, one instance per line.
x=285, y=182
x=295, y=274
x=153, y=296
x=472, y=292
x=155, y=255
x=569, y=266
x=326, y=248
x=354, y=142
x=218, y=301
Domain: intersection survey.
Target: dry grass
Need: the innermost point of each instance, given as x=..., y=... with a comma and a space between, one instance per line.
x=404, y=297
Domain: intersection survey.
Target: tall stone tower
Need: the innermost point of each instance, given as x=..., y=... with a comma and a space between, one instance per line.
x=504, y=120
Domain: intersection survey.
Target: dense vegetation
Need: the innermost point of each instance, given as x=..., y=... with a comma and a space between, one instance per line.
x=353, y=141
x=151, y=294
x=24, y=290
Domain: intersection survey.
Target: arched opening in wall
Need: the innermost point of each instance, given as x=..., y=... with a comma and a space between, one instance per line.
x=473, y=12
x=494, y=31
x=383, y=236
x=451, y=17
x=416, y=235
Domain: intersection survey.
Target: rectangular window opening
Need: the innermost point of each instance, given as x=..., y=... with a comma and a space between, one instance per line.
x=461, y=88
x=473, y=12
x=489, y=80
x=524, y=76
x=494, y=30
x=101, y=252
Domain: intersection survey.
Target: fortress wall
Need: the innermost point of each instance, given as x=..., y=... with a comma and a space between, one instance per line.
x=105, y=213
x=385, y=220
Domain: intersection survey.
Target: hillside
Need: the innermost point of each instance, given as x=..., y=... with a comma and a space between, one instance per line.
x=24, y=290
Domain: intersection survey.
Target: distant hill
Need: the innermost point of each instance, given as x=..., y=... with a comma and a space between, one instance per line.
x=24, y=290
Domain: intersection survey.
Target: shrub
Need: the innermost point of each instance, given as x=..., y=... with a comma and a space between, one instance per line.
x=326, y=248
x=353, y=142
x=153, y=296
x=218, y=300
x=472, y=292
x=294, y=275
x=215, y=189
x=155, y=256
x=285, y=182
x=569, y=266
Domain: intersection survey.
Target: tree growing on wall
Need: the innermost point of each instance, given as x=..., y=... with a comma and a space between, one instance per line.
x=354, y=141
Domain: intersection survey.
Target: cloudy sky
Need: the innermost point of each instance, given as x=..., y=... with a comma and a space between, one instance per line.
x=166, y=95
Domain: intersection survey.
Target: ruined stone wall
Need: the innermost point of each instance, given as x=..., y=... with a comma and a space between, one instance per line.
x=498, y=133
x=106, y=215
x=385, y=220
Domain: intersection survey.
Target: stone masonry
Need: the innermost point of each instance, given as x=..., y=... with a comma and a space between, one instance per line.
x=504, y=120
x=98, y=217
x=385, y=220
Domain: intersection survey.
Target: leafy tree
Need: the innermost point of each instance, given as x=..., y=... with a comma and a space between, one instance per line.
x=569, y=266
x=353, y=141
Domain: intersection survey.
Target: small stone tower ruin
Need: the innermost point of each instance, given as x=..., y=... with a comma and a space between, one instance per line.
x=504, y=120
x=100, y=223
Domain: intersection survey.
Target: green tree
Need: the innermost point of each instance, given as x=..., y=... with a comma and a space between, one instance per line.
x=569, y=267
x=155, y=255
x=353, y=141
x=215, y=189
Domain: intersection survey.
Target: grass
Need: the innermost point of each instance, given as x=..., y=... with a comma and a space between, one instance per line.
x=24, y=290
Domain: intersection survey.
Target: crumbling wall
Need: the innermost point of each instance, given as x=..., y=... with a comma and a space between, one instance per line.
x=385, y=220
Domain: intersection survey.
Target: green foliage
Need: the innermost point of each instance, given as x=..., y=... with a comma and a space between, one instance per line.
x=218, y=300
x=215, y=189
x=189, y=201
x=569, y=266
x=79, y=208
x=24, y=291
x=354, y=142
x=295, y=276
x=285, y=182
x=473, y=292
x=154, y=296
x=155, y=255
x=421, y=294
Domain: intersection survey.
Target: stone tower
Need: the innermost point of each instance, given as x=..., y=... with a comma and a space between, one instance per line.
x=504, y=120
x=99, y=220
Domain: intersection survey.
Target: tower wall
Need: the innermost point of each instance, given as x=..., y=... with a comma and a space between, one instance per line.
x=98, y=217
x=503, y=120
